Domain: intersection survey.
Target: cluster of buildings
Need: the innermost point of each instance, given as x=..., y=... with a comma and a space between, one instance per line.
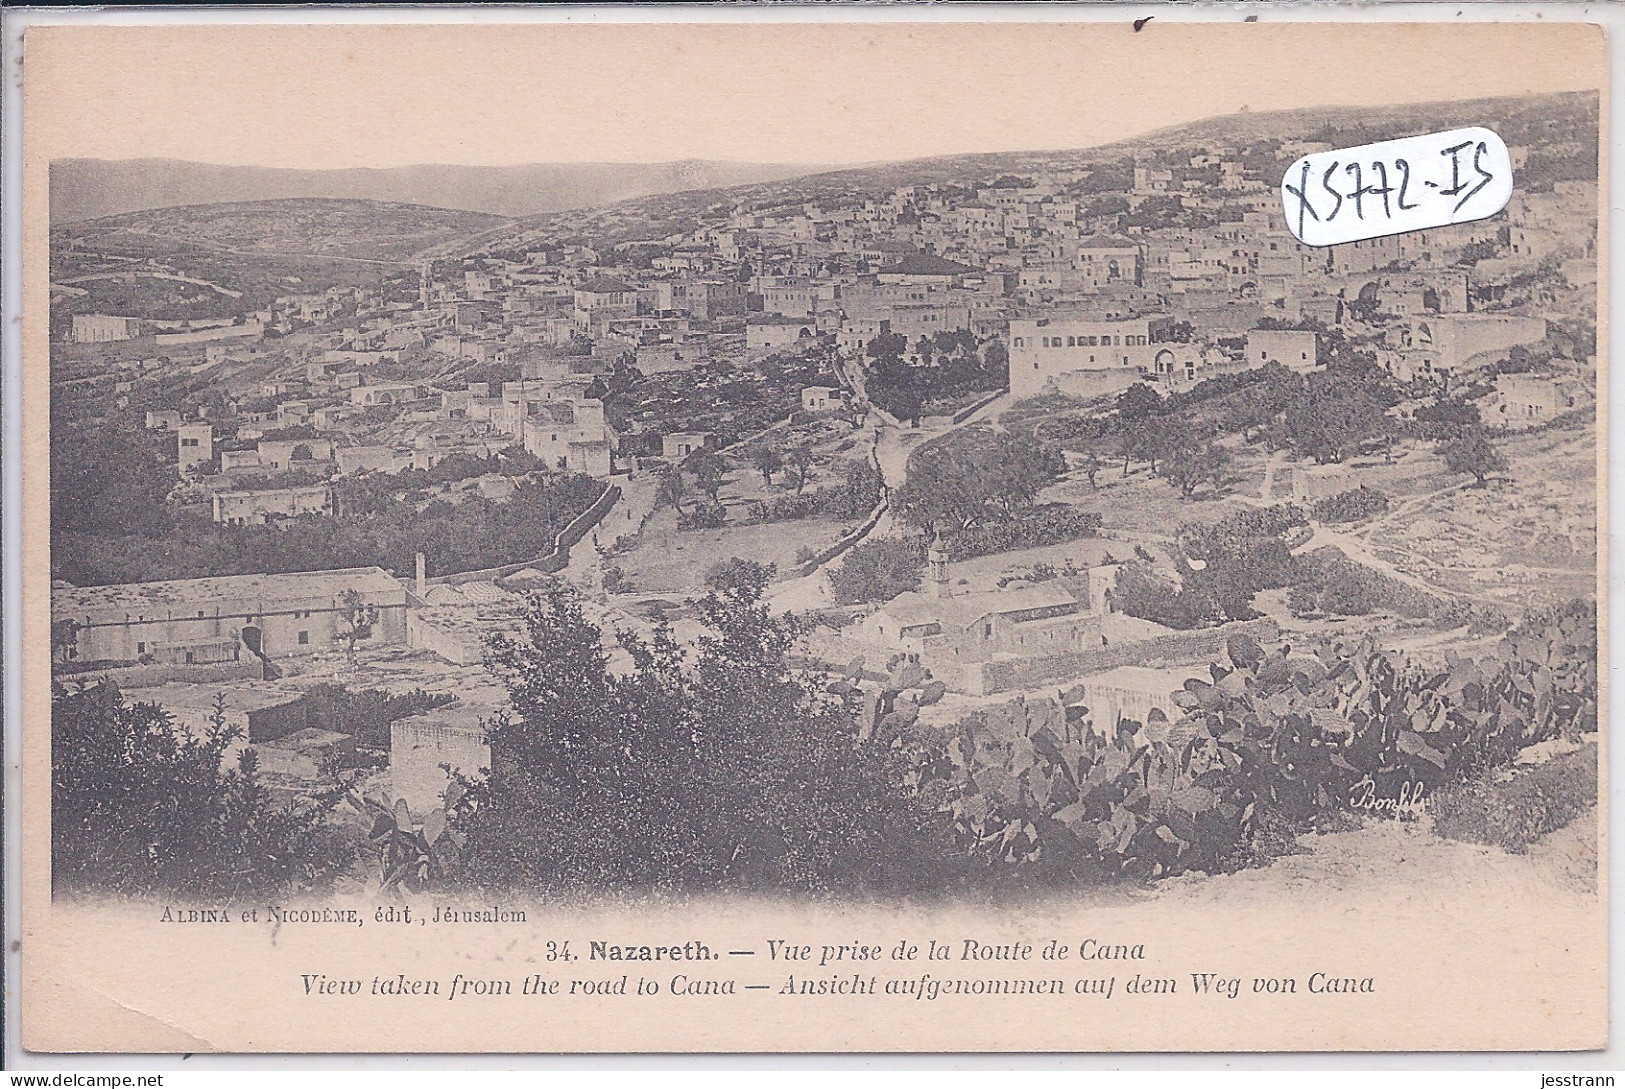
x=248, y=646
x=1185, y=274
x=1026, y=636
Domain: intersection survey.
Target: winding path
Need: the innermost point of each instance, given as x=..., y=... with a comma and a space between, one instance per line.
x=893, y=445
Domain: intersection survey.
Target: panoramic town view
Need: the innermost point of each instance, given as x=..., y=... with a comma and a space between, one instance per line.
x=942, y=528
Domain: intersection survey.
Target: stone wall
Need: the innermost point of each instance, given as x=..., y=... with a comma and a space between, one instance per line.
x=556, y=560
x=150, y=675
x=417, y=748
x=1179, y=648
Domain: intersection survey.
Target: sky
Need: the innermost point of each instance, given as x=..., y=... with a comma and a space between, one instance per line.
x=827, y=94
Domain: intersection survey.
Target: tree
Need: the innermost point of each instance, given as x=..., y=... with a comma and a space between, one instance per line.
x=878, y=570
x=864, y=488
x=1147, y=438
x=708, y=469
x=142, y=807
x=1241, y=554
x=1330, y=420
x=1140, y=591
x=1140, y=401
x=381, y=522
x=903, y=403
x=1471, y=451
x=767, y=460
x=1090, y=467
x=888, y=348
x=1191, y=464
x=996, y=361
x=672, y=490
x=64, y=637
x=357, y=618
x=1252, y=540
x=725, y=770
x=1337, y=586
x=1111, y=204
x=1448, y=416
x=1261, y=400
x=110, y=479
x=799, y=461
x=976, y=475
x=736, y=575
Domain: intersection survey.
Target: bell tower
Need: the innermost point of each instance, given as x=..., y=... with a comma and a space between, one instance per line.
x=936, y=565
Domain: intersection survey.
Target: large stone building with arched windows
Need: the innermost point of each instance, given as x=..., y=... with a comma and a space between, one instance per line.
x=1082, y=356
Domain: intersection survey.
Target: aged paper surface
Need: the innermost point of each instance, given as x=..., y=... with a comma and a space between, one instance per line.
x=399, y=399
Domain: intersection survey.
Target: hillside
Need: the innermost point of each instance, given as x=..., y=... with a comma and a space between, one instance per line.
x=308, y=242
x=1518, y=119
x=221, y=259
x=1534, y=120
x=83, y=189
x=366, y=230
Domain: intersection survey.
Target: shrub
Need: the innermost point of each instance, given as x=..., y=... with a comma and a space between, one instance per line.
x=730, y=770
x=1351, y=506
x=139, y=807
x=1335, y=585
x=366, y=714
x=378, y=529
x=735, y=574
x=878, y=570
x=1030, y=527
x=1141, y=592
x=1277, y=743
x=791, y=508
x=703, y=516
x=1326, y=581
x=1241, y=554
x=1511, y=814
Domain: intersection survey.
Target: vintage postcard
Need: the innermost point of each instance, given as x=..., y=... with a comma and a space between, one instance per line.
x=822, y=536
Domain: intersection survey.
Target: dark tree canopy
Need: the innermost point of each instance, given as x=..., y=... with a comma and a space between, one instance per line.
x=878, y=570
x=140, y=807
x=976, y=475
x=727, y=770
x=1472, y=451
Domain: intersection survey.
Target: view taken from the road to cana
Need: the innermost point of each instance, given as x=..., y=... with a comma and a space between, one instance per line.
x=953, y=528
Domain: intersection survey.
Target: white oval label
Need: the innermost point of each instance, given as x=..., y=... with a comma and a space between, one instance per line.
x=1410, y=184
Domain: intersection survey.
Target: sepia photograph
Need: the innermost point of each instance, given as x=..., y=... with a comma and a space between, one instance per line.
x=816, y=537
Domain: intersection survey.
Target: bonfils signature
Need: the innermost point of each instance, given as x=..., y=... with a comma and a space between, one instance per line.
x=1410, y=801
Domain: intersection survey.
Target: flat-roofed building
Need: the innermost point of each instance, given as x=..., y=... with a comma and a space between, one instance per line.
x=1295, y=349
x=1522, y=401
x=255, y=508
x=103, y=328
x=376, y=459
x=680, y=444
x=1456, y=343
x=196, y=444
x=423, y=747
x=1081, y=355
x=272, y=615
